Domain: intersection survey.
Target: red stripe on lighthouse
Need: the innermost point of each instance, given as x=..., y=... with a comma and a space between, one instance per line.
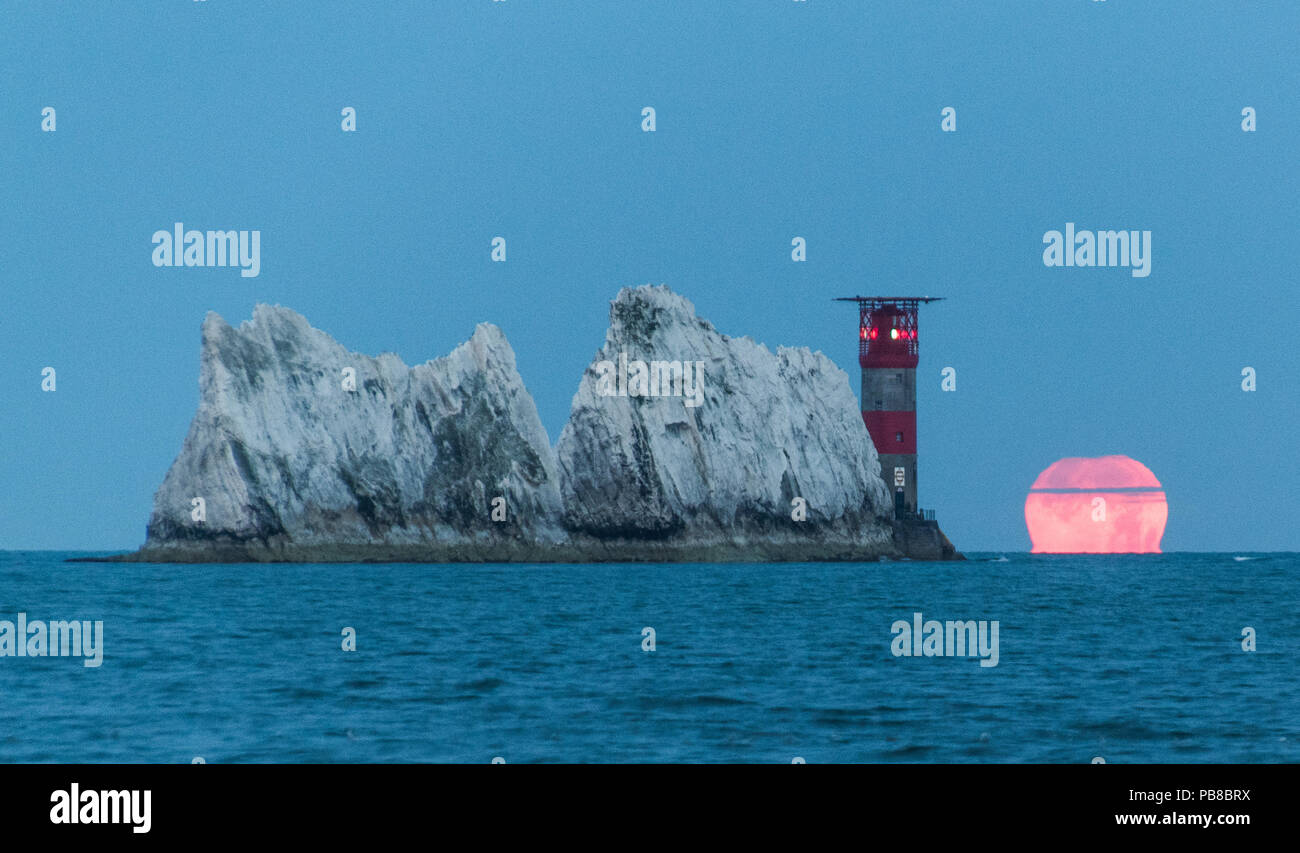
x=885, y=428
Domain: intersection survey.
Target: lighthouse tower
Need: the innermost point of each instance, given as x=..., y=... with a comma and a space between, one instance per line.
x=888, y=353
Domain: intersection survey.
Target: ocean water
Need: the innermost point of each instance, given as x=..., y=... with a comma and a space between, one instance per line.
x=1126, y=658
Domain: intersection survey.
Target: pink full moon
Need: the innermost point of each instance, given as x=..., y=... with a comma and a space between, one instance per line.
x=1102, y=505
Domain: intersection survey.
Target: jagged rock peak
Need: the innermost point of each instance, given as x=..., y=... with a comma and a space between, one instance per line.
x=727, y=461
x=299, y=441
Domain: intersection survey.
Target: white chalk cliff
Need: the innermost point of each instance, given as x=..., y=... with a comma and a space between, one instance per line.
x=291, y=465
x=724, y=474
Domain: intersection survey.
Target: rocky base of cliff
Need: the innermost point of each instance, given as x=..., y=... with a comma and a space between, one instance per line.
x=919, y=541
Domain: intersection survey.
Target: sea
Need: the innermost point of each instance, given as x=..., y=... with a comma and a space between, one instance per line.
x=1137, y=658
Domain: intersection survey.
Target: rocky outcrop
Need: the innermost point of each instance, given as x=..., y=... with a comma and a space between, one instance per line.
x=300, y=448
x=724, y=461
x=682, y=444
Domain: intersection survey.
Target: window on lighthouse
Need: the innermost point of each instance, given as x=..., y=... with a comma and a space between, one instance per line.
x=898, y=436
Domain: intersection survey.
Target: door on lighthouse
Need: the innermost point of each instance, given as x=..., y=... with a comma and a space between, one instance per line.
x=900, y=503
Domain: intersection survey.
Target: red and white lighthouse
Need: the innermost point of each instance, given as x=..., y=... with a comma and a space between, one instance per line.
x=888, y=351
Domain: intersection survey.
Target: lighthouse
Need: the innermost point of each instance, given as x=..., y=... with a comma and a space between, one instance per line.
x=888, y=351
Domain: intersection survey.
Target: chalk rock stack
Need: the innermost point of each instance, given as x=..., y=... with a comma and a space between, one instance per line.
x=302, y=450
x=764, y=438
x=683, y=444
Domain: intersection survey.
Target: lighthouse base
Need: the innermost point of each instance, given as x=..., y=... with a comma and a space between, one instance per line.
x=921, y=539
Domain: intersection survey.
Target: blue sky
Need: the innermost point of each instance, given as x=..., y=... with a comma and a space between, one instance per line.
x=775, y=119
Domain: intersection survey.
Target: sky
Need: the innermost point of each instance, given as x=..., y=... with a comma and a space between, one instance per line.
x=774, y=120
